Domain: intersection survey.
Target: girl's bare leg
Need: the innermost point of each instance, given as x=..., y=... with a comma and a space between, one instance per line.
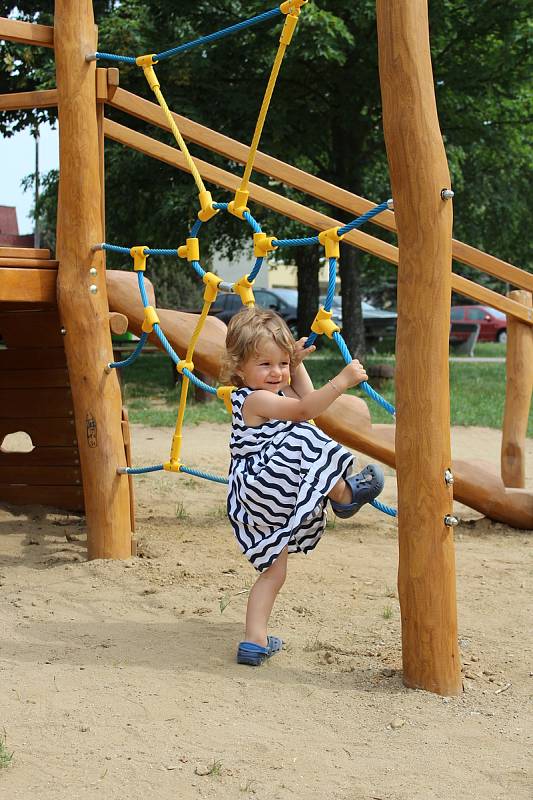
x=261, y=600
x=341, y=492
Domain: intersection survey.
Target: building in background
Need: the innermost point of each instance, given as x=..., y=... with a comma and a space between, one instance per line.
x=9, y=229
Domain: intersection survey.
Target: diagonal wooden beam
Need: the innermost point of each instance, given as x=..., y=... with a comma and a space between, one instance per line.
x=297, y=211
x=303, y=181
x=14, y=30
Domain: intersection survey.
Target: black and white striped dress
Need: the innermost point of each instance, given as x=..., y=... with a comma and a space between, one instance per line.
x=280, y=475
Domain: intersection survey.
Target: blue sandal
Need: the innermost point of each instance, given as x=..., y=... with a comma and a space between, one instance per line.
x=365, y=486
x=254, y=654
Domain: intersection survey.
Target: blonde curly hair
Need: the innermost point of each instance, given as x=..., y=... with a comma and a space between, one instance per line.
x=246, y=331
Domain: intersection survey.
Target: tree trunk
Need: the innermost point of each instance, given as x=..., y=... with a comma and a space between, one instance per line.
x=353, y=330
x=307, y=261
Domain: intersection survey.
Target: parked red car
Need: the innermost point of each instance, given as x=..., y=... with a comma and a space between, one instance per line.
x=492, y=323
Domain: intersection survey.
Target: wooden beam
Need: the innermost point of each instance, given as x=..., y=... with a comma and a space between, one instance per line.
x=84, y=315
x=13, y=30
x=310, y=184
x=15, y=101
x=289, y=208
x=28, y=286
x=518, y=389
x=418, y=171
x=24, y=252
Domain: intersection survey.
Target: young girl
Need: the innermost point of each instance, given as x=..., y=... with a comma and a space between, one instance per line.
x=283, y=468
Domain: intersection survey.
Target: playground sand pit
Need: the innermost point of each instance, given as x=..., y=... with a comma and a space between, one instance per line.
x=119, y=679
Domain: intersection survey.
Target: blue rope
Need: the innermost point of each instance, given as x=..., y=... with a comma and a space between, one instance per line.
x=383, y=508
x=364, y=386
x=166, y=344
x=142, y=288
x=115, y=249
x=255, y=271
x=254, y=225
x=359, y=221
x=182, y=48
x=206, y=475
x=141, y=470
x=133, y=357
x=295, y=242
x=331, y=283
x=114, y=57
x=211, y=37
x=197, y=382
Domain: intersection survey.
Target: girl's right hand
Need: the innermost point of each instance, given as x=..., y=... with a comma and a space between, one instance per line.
x=353, y=374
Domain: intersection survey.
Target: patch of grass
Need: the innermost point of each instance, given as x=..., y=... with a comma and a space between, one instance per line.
x=181, y=511
x=215, y=769
x=227, y=598
x=477, y=391
x=5, y=756
x=387, y=612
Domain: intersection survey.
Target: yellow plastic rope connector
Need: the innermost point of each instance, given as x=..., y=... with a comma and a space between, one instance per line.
x=139, y=257
x=285, y=38
x=150, y=319
x=323, y=323
x=292, y=6
x=243, y=287
x=206, y=206
x=263, y=244
x=212, y=282
x=153, y=82
x=238, y=205
x=172, y=465
x=190, y=250
x=224, y=393
x=184, y=364
x=330, y=240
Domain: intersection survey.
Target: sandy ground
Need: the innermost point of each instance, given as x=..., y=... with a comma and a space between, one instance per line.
x=119, y=679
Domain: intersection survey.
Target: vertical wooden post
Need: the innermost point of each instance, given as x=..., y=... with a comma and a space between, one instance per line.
x=84, y=315
x=519, y=368
x=419, y=171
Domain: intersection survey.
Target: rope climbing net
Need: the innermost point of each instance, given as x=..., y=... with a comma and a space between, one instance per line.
x=262, y=244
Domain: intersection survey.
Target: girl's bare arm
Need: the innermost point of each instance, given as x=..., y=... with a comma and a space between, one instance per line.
x=262, y=405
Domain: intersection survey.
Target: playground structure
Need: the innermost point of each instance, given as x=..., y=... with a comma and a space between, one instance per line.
x=63, y=396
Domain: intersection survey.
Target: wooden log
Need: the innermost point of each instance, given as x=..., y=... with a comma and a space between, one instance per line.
x=84, y=315
x=293, y=210
x=118, y=323
x=519, y=386
x=28, y=286
x=14, y=30
x=310, y=184
x=419, y=171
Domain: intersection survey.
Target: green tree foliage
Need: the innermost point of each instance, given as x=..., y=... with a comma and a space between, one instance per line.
x=325, y=118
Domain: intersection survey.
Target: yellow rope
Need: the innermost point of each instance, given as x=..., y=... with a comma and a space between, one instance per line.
x=175, y=451
x=150, y=76
x=262, y=116
x=179, y=139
